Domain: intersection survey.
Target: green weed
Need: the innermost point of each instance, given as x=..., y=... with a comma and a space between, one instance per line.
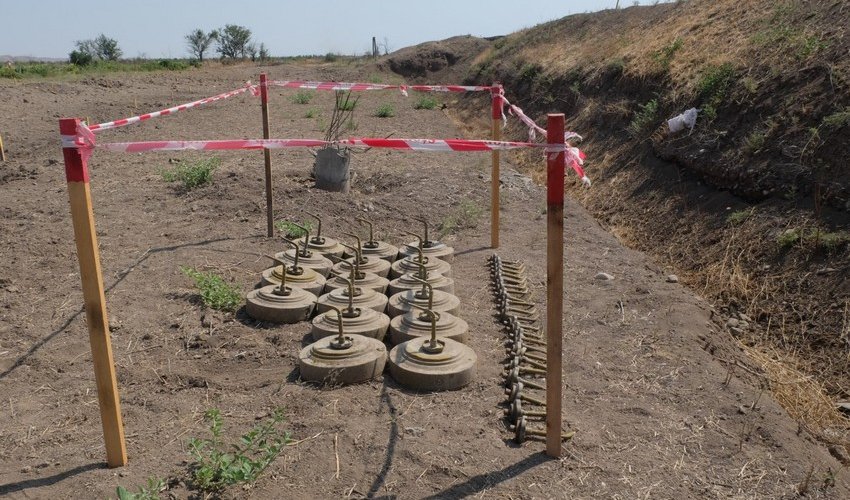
x=738, y=217
x=347, y=105
x=425, y=102
x=311, y=113
x=465, y=216
x=192, y=174
x=754, y=142
x=789, y=238
x=713, y=87
x=303, y=97
x=219, y=464
x=290, y=230
x=837, y=120
x=215, y=292
x=644, y=119
x=150, y=491
x=664, y=56
x=385, y=111
x=815, y=237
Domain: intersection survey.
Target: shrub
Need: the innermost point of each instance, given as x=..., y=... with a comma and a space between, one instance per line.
x=290, y=230
x=425, y=102
x=303, y=97
x=219, y=464
x=331, y=57
x=149, y=492
x=644, y=118
x=215, y=292
x=311, y=113
x=172, y=64
x=80, y=58
x=192, y=175
x=385, y=111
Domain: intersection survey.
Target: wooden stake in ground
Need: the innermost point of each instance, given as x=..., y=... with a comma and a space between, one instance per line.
x=2, y=150
x=79, y=193
x=554, y=281
x=264, y=104
x=494, y=171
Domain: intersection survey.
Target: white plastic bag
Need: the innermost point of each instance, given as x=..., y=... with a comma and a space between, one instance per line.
x=687, y=119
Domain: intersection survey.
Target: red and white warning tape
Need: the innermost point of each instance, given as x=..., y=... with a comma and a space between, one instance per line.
x=147, y=116
x=302, y=84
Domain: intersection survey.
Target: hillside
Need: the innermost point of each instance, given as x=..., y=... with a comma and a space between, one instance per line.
x=750, y=208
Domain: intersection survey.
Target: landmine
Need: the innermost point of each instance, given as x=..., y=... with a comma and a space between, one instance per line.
x=342, y=359
x=307, y=258
x=297, y=276
x=280, y=303
x=362, y=297
x=430, y=248
x=362, y=279
x=426, y=297
x=361, y=321
x=414, y=325
x=411, y=263
x=327, y=247
x=432, y=364
x=368, y=264
x=375, y=248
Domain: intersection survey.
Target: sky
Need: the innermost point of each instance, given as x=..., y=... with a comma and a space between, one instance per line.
x=157, y=28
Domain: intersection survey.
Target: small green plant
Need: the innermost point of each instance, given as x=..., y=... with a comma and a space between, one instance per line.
x=712, y=88
x=303, y=97
x=192, y=174
x=665, y=55
x=150, y=491
x=375, y=78
x=817, y=238
x=311, y=113
x=425, y=102
x=215, y=292
x=348, y=105
x=738, y=217
x=465, y=216
x=385, y=111
x=290, y=230
x=754, y=141
x=219, y=464
x=837, y=120
x=789, y=238
x=644, y=118
x=331, y=57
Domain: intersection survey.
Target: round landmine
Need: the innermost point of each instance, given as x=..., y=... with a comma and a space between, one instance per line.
x=425, y=364
x=360, y=321
x=352, y=360
x=407, y=282
x=410, y=264
x=310, y=259
x=416, y=324
x=375, y=248
x=325, y=246
x=364, y=281
x=308, y=279
x=364, y=298
x=404, y=301
x=289, y=305
x=366, y=264
x=431, y=249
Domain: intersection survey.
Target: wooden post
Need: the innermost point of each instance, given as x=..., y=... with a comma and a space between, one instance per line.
x=79, y=193
x=496, y=109
x=264, y=103
x=2, y=150
x=554, y=281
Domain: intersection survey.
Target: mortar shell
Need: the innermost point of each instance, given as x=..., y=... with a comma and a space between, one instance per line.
x=410, y=326
x=327, y=247
x=369, y=323
x=364, y=360
x=436, y=249
x=367, y=299
x=406, y=282
x=381, y=250
x=373, y=265
x=370, y=280
x=315, y=261
x=412, y=366
x=400, y=303
x=308, y=280
x=265, y=305
x=410, y=264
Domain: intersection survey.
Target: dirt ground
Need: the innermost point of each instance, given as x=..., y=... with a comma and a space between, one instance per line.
x=649, y=389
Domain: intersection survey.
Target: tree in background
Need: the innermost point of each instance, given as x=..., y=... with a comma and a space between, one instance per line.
x=199, y=42
x=101, y=48
x=264, y=52
x=233, y=41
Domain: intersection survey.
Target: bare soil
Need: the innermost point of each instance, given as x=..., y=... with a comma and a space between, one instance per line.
x=663, y=400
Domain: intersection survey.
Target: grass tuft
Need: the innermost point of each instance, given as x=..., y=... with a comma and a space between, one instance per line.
x=425, y=102
x=303, y=97
x=192, y=174
x=644, y=118
x=385, y=111
x=215, y=292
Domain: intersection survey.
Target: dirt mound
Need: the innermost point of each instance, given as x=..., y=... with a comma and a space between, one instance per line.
x=752, y=206
x=444, y=61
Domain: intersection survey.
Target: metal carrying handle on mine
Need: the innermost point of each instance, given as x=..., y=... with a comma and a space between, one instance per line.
x=351, y=312
x=371, y=243
x=356, y=266
x=426, y=286
x=318, y=238
x=341, y=342
x=428, y=243
x=282, y=289
x=306, y=252
x=433, y=346
x=359, y=256
x=294, y=270
x=422, y=257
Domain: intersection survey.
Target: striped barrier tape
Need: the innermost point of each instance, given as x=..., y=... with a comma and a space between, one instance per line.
x=147, y=116
x=303, y=84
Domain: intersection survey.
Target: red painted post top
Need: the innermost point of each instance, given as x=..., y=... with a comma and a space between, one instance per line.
x=497, y=101
x=76, y=169
x=555, y=162
x=264, y=90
